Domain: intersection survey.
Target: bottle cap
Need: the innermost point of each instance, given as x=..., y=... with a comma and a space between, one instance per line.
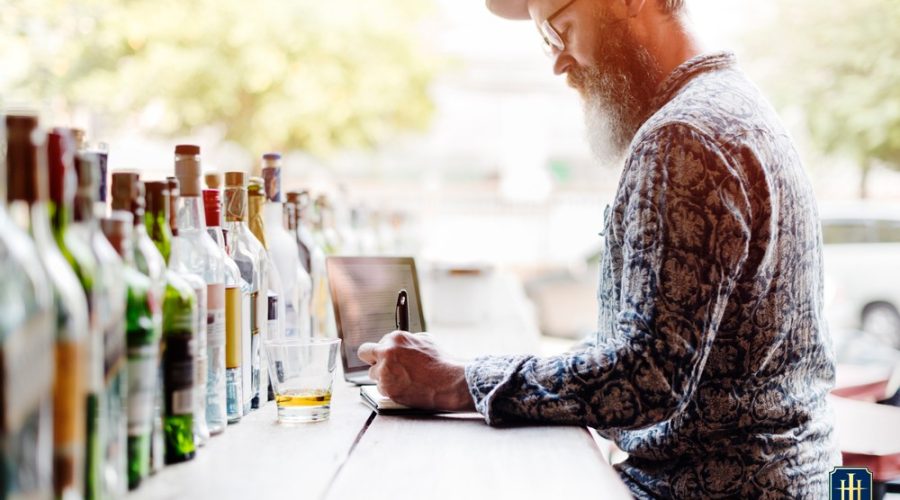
x=212, y=207
x=187, y=149
x=174, y=193
x=213, y=180
x=60, y=148
x=117, y=228
x=187, y=169
x=272, y=179
x=156, y=196
x=125, y=195
x=23, y=158
x=234, y=179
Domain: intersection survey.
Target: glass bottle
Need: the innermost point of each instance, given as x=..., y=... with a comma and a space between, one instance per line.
x=180, y=312
x=320, y=311
x=71, y=351
x=202, y=257
x=233, y=309
x=256, y=200
x=143, y=346
x=27, y=337
x=107, y=309
x=199, y=286
x=283, y=249
x=246, y=251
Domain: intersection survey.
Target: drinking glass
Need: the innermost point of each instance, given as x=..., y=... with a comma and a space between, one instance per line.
x=302, y=374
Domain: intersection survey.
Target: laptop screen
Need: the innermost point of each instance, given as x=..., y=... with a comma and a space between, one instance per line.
x=364, y=293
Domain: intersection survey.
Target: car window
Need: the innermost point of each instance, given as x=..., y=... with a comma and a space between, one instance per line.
x=888, y=231
x=835, y=232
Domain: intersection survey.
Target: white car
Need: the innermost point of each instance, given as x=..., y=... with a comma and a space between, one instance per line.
x=862, y=271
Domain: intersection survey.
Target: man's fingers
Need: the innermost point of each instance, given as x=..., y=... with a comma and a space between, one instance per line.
x=374, y=373
x=367, y=352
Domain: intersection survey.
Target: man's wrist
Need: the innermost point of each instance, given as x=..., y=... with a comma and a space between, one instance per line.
x=463, y=398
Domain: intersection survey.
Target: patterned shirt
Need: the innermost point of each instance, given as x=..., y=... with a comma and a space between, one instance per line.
x=712, y=359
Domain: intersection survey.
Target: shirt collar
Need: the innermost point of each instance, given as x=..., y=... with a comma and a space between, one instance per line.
x=688, y=70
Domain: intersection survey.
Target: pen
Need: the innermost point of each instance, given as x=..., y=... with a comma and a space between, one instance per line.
x=401, y=311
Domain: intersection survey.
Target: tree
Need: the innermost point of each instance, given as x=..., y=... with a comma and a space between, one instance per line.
x=837, y=61
x=301, y=74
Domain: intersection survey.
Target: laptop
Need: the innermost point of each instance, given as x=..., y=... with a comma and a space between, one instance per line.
x=364, y=292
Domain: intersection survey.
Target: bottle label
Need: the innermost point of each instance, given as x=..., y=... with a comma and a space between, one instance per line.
x=27, y=358
x=246, y=339
x=141, y=389
x=178, y=373
x=215, y=316
x=68, y=402
x=233, y=325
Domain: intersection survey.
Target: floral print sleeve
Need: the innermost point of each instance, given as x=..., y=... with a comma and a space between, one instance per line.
x=684, y=241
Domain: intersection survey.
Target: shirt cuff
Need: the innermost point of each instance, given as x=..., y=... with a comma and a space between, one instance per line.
x=490, y=379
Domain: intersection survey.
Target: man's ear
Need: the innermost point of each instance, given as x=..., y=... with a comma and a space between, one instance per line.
x=634, y=7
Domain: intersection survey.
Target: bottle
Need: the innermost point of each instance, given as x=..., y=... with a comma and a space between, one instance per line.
x=177, y=351
x=256, y=199
x=233, y=310
x=199, y=286
x=202, y=257
x=143, y=347
x=292, y=221
x=283, y=249
x=27, y=179
x=246, y=251
x=107, y=311
x=320, y=311
x=27, y=337
x=128, y=194
x=71, y=350
x=100, y=151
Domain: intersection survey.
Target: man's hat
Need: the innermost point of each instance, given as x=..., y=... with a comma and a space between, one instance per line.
x=510, y=9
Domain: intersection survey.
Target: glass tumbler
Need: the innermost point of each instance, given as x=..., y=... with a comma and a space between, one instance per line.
x=302, y=374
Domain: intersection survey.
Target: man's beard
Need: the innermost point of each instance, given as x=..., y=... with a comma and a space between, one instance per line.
x=618, y=90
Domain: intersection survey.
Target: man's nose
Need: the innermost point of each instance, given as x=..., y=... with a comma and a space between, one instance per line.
x=562, y=62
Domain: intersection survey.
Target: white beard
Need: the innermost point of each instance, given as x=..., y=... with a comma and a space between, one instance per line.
x=606, y=132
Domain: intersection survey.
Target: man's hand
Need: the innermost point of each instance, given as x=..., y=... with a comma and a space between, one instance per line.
x=410, y=370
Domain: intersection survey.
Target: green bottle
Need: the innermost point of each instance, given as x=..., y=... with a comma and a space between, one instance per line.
x=142, y=340
x=179, y=323
x=107, y=309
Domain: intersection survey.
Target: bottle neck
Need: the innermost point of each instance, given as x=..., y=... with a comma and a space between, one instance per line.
x=190, y=217
x=157, y=225
x=256, y=223
x=273, y=214
x=60, y=217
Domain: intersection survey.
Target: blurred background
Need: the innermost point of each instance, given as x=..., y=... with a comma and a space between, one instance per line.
x=437, y=130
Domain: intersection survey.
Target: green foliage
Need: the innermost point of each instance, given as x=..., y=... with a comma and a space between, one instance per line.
x=837, y=60
x=307, y=74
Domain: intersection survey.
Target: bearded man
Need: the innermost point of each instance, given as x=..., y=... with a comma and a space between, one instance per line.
x=712, y=361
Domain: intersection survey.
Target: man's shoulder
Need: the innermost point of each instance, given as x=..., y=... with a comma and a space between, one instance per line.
x=718, y=105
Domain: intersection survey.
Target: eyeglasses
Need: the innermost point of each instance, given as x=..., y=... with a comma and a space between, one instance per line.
x=552, y=41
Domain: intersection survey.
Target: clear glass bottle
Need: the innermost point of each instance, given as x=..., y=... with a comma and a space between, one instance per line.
x=233, y=309
x=142, y=338
x=179, y=262
x=176, y=400
x=202, y=257
x=284, y=251
x=321, y=309
x=256, y=200
x=71, y=352
x=246, y=251
x=27, y=337
x=106, y=425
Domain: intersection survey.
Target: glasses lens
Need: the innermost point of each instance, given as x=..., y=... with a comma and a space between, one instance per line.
x=552, y=41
